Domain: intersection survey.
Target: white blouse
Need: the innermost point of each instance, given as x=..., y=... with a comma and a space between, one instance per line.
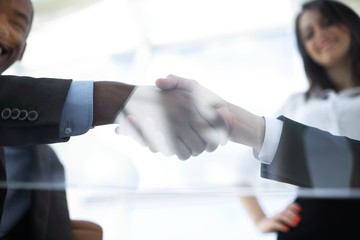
x=337, y=113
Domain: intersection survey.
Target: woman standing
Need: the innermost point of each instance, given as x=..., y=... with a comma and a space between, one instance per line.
x=328, y=38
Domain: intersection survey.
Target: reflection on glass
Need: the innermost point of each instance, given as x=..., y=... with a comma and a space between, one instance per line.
x=106, y=174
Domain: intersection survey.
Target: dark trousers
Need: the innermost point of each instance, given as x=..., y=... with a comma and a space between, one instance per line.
x=325, y=218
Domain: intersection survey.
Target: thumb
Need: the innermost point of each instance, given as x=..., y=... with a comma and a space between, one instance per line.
x=172, y=82
x=166, y=83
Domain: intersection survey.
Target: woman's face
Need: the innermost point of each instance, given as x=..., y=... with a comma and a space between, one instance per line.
x=327, y=43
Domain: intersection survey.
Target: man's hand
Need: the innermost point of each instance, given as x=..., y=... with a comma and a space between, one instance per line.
x=172, y=122
x=192, y=86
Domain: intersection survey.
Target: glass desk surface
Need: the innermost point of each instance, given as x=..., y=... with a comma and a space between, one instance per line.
x=135, y=194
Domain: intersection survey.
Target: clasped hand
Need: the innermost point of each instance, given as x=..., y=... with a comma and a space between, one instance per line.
x=173, y=122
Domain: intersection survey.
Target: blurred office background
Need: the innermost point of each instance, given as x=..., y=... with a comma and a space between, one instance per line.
x=243, y=50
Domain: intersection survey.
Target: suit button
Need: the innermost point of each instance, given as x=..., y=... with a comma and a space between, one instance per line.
x=23, y=115
x=15, y=113
x=5, y=113
x=33, y=115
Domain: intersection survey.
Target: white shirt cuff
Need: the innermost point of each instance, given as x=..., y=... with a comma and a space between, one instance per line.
x=273, y=130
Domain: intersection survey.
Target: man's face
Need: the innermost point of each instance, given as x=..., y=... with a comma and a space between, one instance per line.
x=15, y=23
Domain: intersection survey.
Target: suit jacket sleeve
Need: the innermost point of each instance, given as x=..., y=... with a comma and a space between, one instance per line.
x=310, y=157
x=42, y=99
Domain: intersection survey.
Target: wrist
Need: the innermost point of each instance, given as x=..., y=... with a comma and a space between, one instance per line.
x=109, y=99
x=245, y=127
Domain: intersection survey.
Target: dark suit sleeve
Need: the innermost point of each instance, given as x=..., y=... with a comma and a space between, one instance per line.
x=310, y=157
x=42, y=99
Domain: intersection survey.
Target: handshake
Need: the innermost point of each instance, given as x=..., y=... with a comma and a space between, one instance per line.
x=180, y=117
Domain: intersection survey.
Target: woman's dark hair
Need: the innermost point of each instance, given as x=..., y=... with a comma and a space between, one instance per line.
x=337, y=13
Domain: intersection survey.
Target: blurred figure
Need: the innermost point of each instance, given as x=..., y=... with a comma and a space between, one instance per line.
x=328, y=39
x=24, y=210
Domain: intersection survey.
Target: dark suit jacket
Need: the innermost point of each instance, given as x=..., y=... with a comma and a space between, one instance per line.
x=45, y=98
x=48, y=216
x=309, y=157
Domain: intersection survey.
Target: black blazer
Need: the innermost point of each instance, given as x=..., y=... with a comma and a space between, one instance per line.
x=310, y=157
x=30, y=112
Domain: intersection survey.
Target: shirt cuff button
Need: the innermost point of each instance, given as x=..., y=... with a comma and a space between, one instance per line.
x=68, y=130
